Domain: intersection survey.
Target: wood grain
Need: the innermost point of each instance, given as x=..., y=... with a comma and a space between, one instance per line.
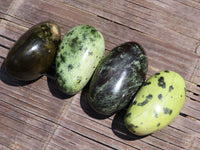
x=37, y=116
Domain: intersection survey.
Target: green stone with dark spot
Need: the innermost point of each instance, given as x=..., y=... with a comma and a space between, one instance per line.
x=117, y=78
x=79, y=53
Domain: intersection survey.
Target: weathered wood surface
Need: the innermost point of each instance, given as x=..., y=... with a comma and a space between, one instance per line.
x=36, y=116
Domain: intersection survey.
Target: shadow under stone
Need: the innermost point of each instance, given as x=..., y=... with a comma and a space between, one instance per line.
x=88, y=109
x=53, y=87
x=7, y=79
x=119, y=128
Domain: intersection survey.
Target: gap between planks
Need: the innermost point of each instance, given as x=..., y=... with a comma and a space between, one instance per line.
x=64, y=110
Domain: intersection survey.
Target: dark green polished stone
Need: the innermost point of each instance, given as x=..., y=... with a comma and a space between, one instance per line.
x=34, y=52
x=117, y=78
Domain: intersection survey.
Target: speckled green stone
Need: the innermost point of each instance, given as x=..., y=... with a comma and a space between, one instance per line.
x=79, y=53
x=156, y=104
x=117, y=78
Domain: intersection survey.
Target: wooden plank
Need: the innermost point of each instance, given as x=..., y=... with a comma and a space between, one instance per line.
x=105, y=131
x=159, y=20
x=11, y=31
x=54, y=147
x=15, y=139
x=196, y=74
x=67, y=139
x=192, y=108
x=99, y=127
x=195, y=144
x=187, y=125
x=4, y=7
x=2, y=147
x=125, y=34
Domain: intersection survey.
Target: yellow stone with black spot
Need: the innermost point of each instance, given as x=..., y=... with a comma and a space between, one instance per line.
x=156, y=104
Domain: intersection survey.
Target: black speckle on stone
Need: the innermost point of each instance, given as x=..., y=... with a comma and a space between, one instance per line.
x=87, y=27
x=62, y=81
x=147, y=83
x=92, y=39
x=79, y=81
x=57, y=64
x=95, y=36
x=147, y=99
x=70, y=32
x=171, y=88
x=143, y=103
x=59, y=77
x=167, y=71
x=84, y=37
x=62, y=58
x=158, y=124
x=134, y=103
x=79, y=78
x=157, y=74
x=128, y=115
x=135, y=126
x=99, y=36
x=93, y=31
x=72, y=44
x=160, y=96
x=149, y=96
x=161, y=82
x=90, y=53
x=75, y=40
x=70, y=67
x=155, y=113
x=79, y=42
x=81, y=48
x=130, y=127
x=167, y=111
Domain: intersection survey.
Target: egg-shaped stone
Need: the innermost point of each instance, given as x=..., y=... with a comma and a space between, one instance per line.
x=156, y=104
x=117, y=78
x=34, y=52
x=80, y=51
